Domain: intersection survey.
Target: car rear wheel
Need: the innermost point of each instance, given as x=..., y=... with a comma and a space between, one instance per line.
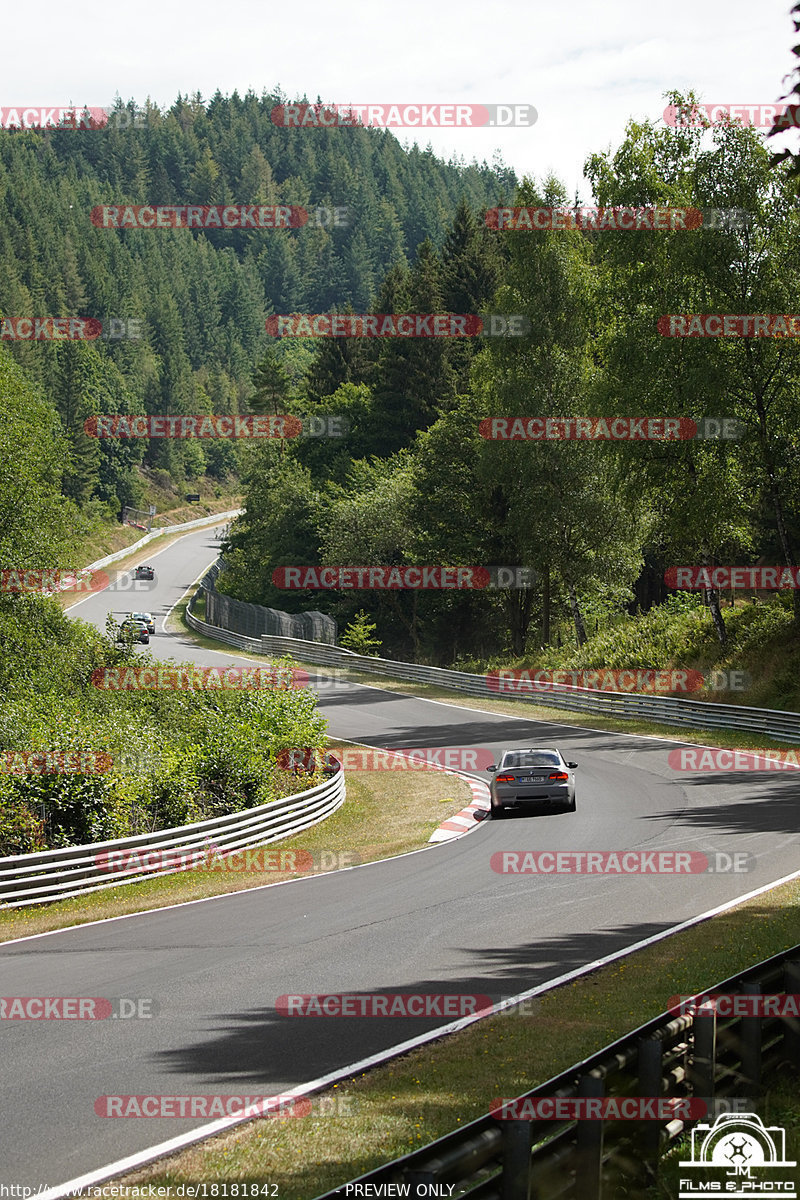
x=571, y=807
x=498, y=812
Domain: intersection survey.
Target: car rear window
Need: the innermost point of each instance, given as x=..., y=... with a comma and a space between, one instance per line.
x=531, y=758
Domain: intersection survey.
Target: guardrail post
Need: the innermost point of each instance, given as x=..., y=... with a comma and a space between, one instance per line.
x=791, y=1025
x=516, y=1178
x=752, y=1033
x=589, y=1145
x=647, y=1139
x=704, y=1053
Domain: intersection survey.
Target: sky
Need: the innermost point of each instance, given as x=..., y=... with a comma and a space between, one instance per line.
x=586, y=67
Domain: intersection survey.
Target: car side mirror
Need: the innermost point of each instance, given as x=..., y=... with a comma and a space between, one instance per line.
x=572, y=766
x=492, y=767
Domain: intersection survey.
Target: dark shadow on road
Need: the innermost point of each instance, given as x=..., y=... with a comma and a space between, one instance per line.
x=261, y=1047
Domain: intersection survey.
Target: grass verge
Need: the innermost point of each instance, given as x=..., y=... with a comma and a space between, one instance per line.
x=526, y=710
x=430, y=1091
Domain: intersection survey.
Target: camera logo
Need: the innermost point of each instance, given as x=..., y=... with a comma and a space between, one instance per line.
x=739, y=1143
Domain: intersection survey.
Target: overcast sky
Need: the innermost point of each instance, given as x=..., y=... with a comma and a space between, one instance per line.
x=587, y=67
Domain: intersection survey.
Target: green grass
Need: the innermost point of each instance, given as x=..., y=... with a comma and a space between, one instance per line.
x=679, y=635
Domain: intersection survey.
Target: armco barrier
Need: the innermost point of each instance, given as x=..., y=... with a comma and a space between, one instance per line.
x=212, y=519
x=724, y=1062
x=58, y=874
x=664, y=709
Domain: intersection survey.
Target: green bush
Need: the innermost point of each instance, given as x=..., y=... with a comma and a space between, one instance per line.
x=174, y=756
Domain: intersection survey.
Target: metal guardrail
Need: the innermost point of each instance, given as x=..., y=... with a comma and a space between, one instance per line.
x=700, y=1056
x=77, y=870
x=668, y=710
x=239, y=640
x=212, y=519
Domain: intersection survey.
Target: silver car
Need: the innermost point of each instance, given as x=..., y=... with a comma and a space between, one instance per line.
x=532, y=776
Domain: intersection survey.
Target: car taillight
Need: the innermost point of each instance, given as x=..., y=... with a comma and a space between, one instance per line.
x=559, y=775
x=504, y=779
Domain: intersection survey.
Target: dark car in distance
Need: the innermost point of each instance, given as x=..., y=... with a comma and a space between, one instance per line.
x=144, y=572
x=532, y=777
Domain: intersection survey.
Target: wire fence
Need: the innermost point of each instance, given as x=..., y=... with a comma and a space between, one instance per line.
x=253, y=620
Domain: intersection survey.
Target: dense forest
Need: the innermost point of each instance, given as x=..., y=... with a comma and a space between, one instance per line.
x=200, y=298
x=597, y=522
x=594, y=522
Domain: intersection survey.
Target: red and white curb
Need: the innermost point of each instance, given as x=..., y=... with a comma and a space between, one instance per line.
x=464, y=821
x=467, y=819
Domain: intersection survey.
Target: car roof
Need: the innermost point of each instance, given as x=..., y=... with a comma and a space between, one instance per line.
x=530, y=749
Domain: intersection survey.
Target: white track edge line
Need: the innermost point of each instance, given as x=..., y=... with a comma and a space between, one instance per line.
x=205, y=1131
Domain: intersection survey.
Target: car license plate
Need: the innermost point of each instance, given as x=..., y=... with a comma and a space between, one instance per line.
x=532, y=779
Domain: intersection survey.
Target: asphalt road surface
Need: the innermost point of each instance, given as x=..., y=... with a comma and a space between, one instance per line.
x=438, y=921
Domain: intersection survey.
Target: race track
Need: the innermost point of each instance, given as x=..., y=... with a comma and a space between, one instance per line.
x=440, y=920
